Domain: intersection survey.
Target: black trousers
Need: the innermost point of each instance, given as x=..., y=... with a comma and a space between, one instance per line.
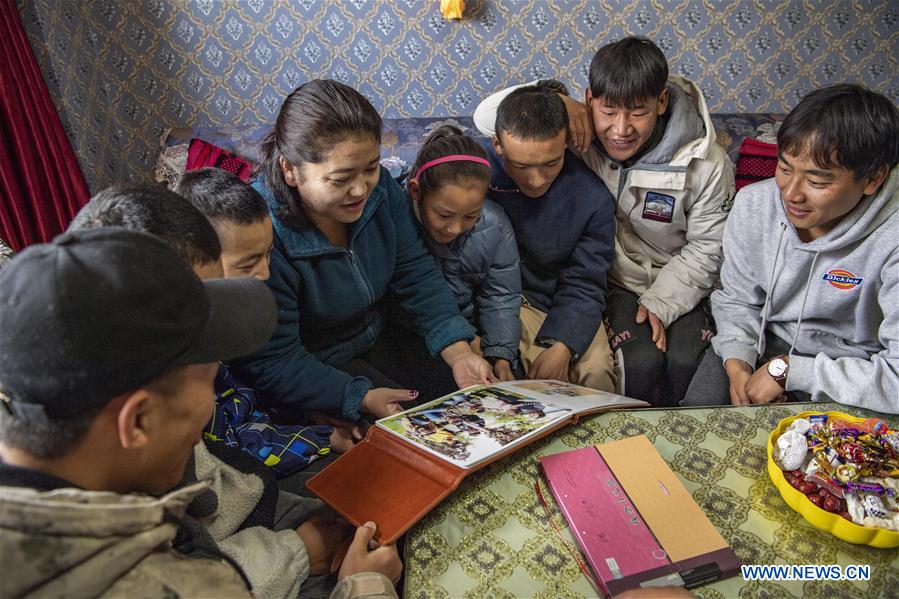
x=711, y=385
x=399, y=359
x=661, y=378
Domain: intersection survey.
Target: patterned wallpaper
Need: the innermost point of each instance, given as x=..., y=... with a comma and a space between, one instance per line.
x=121, y=71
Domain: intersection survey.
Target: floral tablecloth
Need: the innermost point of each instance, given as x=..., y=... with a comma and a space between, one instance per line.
x=491, y=538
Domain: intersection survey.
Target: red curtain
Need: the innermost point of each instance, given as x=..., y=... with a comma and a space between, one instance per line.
x=41, y=185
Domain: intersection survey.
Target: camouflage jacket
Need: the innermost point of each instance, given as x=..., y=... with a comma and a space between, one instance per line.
x=77, y=543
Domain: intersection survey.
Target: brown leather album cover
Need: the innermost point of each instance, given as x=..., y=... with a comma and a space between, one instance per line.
x=409, y=462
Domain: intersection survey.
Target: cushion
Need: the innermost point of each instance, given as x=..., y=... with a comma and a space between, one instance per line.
x=202, y=154
x=757, y=161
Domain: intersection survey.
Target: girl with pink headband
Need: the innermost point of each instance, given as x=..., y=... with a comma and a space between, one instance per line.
x=472, y=240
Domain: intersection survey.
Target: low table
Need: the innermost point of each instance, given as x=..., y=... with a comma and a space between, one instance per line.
x=491, y=538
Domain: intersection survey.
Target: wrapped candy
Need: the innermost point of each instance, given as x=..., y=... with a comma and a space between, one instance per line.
x=869, y=425
x=852, y=452
x=874, y=506
x=828, y=458
x=811, y=468
x=890, y=523
x=846, y=472
x=889, y=483
x=845, y=467
x=791, y=450
x=800, y=425
x=869, y=488
x=893, y=440
x=855, y=507
x=827, y=483
x=816, y=421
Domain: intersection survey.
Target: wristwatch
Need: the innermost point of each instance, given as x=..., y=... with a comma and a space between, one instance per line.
x=778, y=369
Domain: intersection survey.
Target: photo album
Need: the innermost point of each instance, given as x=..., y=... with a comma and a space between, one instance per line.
x=409, y=462
x=474, y=424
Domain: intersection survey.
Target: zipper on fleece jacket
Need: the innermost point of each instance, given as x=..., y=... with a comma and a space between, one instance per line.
x=361, y=281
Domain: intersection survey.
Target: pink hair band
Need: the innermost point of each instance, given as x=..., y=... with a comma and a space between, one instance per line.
x=451, y=158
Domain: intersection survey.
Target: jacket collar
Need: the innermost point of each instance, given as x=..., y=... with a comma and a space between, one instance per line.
x=73, y=511
x=16, y=476
x=305, y=240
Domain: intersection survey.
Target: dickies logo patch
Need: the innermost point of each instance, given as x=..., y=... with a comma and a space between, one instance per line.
x=842, y=279
x=659, y=207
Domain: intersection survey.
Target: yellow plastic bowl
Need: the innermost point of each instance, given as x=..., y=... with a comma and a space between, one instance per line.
x=817, y=517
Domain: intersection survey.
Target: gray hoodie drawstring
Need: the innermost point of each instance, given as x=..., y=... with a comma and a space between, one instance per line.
x=761, y=337
x=808, y=284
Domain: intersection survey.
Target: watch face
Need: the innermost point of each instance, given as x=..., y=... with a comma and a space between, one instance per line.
x=777, y=367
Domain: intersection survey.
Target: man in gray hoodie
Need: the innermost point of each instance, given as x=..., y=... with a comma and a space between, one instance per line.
x=809, y=305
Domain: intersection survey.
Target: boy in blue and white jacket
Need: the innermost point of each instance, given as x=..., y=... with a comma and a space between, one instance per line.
x=809, y=305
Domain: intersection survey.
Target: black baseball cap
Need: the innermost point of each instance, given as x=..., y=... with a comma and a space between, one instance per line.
x=100, y=312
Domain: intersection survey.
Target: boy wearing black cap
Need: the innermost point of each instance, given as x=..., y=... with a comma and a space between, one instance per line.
x=108, y=348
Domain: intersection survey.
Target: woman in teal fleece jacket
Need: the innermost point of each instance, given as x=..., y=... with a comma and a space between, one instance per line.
x=346, y=246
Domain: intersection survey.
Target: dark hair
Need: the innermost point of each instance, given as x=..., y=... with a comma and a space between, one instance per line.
x=843, y=126
x=446, y=141
x=47, y=438
x=628, y=71
x=52, y=437
x=313, y=118
x=531, y=112
x=155, y=210
x=220, y=195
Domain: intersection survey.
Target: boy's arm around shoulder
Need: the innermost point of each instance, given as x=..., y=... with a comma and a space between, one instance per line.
x=499, y=299
x=284, y=371
x=737, y=306
x=577, y=306
x=872, y=382
x=691, y=273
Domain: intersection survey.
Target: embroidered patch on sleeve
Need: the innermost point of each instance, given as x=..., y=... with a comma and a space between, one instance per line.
x=659, y=207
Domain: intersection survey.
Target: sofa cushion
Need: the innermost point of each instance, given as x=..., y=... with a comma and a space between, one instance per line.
x=201, y=154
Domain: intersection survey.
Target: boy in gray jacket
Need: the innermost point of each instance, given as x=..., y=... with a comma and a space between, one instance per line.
x=809, y=304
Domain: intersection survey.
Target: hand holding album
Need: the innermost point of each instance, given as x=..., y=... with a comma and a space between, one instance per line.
x=410, y=461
